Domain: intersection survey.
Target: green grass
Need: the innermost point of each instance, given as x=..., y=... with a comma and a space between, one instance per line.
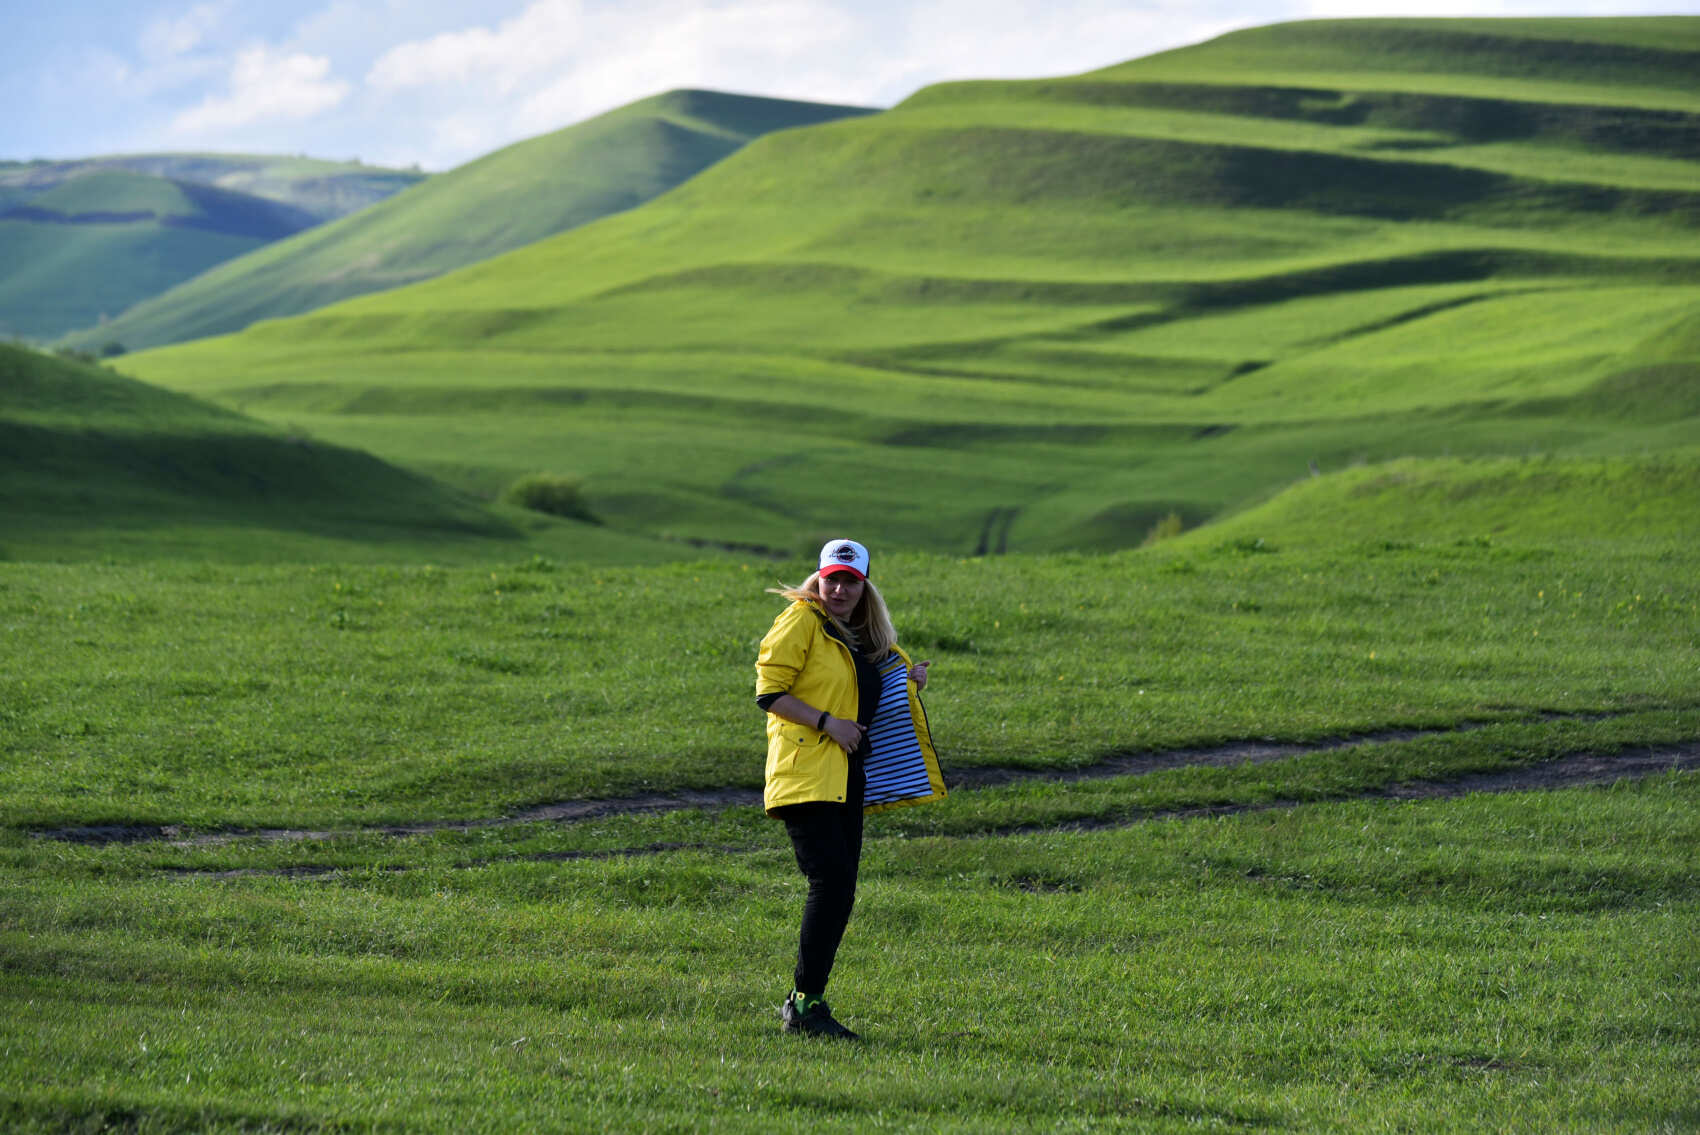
x=1496, y=963
x=1055, y=311
x=512, y=197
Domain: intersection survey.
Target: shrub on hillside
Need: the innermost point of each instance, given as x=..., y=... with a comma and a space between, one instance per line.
x=74, y=355
x=552, y=493
x=1166, y=528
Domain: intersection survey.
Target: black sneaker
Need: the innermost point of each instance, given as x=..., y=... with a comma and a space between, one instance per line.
x=816, y=1021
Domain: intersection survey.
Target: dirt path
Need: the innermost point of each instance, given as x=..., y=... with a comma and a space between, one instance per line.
x=1575, y=771
x=1564, y=772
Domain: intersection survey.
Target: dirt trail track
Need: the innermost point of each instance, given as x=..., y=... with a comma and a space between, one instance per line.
x=1569, y=771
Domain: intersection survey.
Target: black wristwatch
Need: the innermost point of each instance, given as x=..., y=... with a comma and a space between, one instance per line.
x=820, y=726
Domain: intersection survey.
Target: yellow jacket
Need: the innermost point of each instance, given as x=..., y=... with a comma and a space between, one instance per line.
x=798, y=656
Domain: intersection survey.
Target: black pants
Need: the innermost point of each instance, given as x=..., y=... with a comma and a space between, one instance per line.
x=828, y=841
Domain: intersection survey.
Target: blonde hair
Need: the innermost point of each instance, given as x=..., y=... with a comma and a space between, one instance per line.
x=869, y=627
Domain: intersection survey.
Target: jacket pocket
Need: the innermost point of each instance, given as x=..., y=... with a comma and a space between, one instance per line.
x=804, y=765
x=796, y=747
x=807, y=744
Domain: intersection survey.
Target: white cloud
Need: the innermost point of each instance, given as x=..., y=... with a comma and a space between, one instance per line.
x=542, y=36
x=167, y=57
x=172, y=36
x=958, y=39
x=780, y=48
x=266, y=85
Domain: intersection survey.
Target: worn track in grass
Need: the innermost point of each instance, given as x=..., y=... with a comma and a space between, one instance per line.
x=1566, y=772
x=1572, y=770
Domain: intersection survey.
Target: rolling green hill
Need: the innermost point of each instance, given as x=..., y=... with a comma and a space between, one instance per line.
x=507, y=199
x=1049, y=314
x=1646, y=501
x=94, y=245
x=93, y=464
x=84, y=240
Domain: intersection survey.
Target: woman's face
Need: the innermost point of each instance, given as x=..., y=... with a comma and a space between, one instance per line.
x=840, y=592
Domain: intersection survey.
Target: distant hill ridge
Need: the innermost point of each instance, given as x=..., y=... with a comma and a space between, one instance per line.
x=1647, y=60
x=116, y=198
x=507, y=199
x=323, y=189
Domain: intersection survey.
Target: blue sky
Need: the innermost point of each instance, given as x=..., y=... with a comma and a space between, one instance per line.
x=440, y=82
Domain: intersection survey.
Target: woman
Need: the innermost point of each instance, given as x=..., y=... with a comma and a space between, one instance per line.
x=846, y=735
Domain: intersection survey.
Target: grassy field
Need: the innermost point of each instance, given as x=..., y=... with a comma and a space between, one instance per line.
x=276, y=856
x=313, y=695
x=1043, y=315
x=213, y=919
x=1516, y=963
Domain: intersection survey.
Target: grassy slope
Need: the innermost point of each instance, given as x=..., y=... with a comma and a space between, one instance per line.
x=1648, y=58
x=513, y=197
x=1046, y=314
x=94, y=245
x=1523, y=500
x=95, y=465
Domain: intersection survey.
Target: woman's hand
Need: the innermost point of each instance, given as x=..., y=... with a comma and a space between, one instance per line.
x=848, y=734
x=918, y=674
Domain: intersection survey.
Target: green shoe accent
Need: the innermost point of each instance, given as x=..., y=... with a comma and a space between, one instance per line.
x=815, y=1019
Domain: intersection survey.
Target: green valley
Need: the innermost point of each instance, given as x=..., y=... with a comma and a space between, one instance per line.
x=95, y=466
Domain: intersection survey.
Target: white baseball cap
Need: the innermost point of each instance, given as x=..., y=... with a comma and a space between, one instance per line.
x=844, y=555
